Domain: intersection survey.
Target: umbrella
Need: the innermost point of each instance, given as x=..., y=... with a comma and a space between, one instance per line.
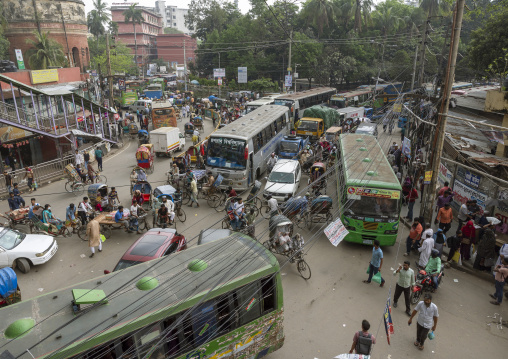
x=195, y=82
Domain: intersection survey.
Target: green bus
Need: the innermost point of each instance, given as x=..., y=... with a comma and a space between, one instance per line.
x=368, y=190
x=222, y=299
x=160, y=81
x=128, y=98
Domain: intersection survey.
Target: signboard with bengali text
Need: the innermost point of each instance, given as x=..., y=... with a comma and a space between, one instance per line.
x=462, y=193
x=336, y=232
x=219, y=72
x=242, y=75
x=44, y=76
x=372, y=192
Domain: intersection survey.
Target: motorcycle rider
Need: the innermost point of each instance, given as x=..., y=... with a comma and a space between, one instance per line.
x=433, y=268
x=271, y=162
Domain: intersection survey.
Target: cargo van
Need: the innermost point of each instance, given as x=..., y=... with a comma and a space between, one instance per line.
x=167, y=140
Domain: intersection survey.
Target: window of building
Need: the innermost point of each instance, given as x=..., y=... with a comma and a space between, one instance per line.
x=174, y=24
x=174, y=17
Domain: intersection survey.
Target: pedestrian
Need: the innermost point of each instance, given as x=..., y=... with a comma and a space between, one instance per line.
x=443, y=189
x=93, y=233
x=8, y=181
x=474, y=210
x=501, y=273
x=194, y=192
x=213, y=120
x=273, y=205
x=404, y=285
x=444, y=218
x=427, y=319
x=462, y=215
x=426, y=249
x=444, y=199
x=486, y=252
x=17, y=194
x=411, y=197
x=415, y=234
x=83, y=209
x=439, y=241
x=375, y=263
x=98, y=157
x=363, y=340
x=79, y=158
x=468, y=238
x=453, y=244
x=86, y=158
x=402, y=133
x=29, y=175
x=13, y=202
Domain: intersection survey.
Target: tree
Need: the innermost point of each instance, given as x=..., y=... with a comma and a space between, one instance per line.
x=4, y=43
x=121, y=57
x=434, y=7
x=205, y=16
x=98, y=18
x=387, y=20
x=136, y=17
x=113, y=28
x=45, y=52
x=172, y=30
x=320, y=13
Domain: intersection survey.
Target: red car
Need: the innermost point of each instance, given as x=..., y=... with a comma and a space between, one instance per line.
x=155, y=243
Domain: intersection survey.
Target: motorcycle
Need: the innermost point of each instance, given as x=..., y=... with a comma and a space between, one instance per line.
x=424, y=283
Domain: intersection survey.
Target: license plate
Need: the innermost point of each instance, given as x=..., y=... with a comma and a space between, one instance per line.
x=308, y=133
x=368, y=241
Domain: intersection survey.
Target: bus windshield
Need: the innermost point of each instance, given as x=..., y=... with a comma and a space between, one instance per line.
x=338, y=103
x=251, y=108
x=287, y=103
x=375, y=207
x=308, y=125
x=226, y=152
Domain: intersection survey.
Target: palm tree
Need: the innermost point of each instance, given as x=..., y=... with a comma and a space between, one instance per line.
x=98, y=18
x=134, y=15
x=113, y=28
x=346, y=12
x=320, y=13
x=386, y=20
x=45, y=52
x=434, y=7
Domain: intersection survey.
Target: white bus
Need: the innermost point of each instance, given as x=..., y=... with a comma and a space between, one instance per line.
x=254, y=105
x=240, y=150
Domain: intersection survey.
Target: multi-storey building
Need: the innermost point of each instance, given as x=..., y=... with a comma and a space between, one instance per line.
x=172, y=16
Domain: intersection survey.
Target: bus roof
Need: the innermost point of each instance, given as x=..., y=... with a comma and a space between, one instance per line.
x=260, y=102
x=351, y=93
x=365, y=163
x=161, y=104
x=232, y=262
x=247, y=126
x=306, y=93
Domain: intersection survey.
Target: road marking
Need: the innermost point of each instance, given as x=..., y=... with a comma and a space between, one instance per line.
x=119, y=152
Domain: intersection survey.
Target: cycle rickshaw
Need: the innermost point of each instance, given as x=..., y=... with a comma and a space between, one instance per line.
x=146, y=192
x=293, y=249
x=98, y=196
x=133, y=129
x=197, y=121
x=137, y=174
x=74, y=183
x=295, y=209
x=188, y=129
x=144, y=156
x=317, y=177
x=171, y=194
x=143, y=137
x=9, y=289
x=320, y=211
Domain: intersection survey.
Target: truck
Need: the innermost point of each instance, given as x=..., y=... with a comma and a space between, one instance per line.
x=316, y=120
x=154, y=91
x=167, y=140
x=348, y=116
x=291, y=146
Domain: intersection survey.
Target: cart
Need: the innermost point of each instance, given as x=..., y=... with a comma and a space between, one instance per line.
x=293, y=250
x=146, y=191
x=197, y=121
x=17, y=217
x=188, y=129
x=9, y=289
x=320, y=211
x=108, y=224
x=144, y=156
x=133, y=129
x=98, y=195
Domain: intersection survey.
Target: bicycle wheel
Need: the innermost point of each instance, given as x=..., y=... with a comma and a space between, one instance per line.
x=186, y=198
x=78, y=189
x=82, y=233
x=250, y=206
x=68, y=186
x=265, y=211
x=303, y=269
x=213, y=201
x=225, y=224
x=106, y=230
x=65, y=232
x=101, y=179
x=180, y=213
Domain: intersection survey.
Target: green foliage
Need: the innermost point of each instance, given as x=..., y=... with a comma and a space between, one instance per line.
x=4, y=43
x=121, y=57
x=171, y=30
x=45, y=52
x=98, y=18
x=205, y=16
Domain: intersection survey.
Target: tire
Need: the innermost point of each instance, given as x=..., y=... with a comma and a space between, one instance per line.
x=68, y=186
x=248, y=207
x=221, y=202
x=66, y=233
x=265, y=211
x=78, y=189
x=180, y=213
x=303, y=269
x=82, y=233
x=101, y=179
x=213, y=201
x=23, y=265
x=106, y=230
x=186, y=198
x=415, y=297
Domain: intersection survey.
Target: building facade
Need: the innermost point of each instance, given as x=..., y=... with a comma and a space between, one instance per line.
x=170, y=47
x=145, y=33
x=65, y=20
x=172, y=16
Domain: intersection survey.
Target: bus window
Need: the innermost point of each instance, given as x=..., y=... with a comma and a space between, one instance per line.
x=204, y=323
x=246, y=301
x=276, y=126
x=268, y=292
x=273, y=129
x=224, y=317
x=171, y=338
x=267, y=134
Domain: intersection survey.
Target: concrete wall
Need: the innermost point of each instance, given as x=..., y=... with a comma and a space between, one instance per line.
x=496, y=101
x=66, y=75
x=170, y=47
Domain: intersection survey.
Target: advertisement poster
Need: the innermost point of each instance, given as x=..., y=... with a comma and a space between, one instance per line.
x=472, y=179
x=387, y=319
x=19, y=59
x=463, y=193
x=444, y=175
x=288, y=81
x=406, y=146
x=242, y=75
x=372, y=192
x=336, y=232
x=219, y=72
x=428, y=177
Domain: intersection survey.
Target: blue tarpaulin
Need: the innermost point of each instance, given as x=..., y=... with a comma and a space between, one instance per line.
x=8, y=282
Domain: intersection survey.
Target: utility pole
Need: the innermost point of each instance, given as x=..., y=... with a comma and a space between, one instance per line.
x=414, y=69
x=296, y=66
x=185, y=65
x=441, y=64
x=424, y=48
x=219, y=68
x=445, y=103
x=289, y=61
x=110, y=77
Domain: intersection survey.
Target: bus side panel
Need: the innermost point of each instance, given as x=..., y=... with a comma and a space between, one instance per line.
x=367, y=237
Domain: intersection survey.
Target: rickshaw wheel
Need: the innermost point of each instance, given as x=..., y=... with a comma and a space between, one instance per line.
x=180, y=213
x=303, y=269
x=101, y=179
x=250, y=206
x=265, y=211
x=185, y=197
x=225, y=224
x=66, y=232
x=213, y=201
x=68, y=186
x=78, y=189
x=82, y=233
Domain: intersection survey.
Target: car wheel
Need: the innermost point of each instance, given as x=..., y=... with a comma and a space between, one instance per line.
x=23, y=265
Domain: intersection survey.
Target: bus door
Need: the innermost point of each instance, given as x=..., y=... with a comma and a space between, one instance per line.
x=250, y=170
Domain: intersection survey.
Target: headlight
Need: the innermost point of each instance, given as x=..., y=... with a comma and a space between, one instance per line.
x=46, y=251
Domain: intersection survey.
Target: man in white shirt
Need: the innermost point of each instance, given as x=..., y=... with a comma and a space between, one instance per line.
x=273, y=205
x=171, y=209
x=79, y=159
x=462, y=216
x=284, y=241
x=427, y=319
x=84, y=208
x=134, y=215
x=426, y=248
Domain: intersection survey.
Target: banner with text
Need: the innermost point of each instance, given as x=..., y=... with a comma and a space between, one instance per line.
x=336, y=232
x=242, y=75
x=219, y=72
x=463, y=193
x=444, y=175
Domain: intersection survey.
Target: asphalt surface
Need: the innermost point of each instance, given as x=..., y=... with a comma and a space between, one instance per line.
x=321, y=314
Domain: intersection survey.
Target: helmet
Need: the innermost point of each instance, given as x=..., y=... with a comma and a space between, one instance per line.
x=434, y=253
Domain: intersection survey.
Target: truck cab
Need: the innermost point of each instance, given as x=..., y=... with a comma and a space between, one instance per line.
x=291, y=146
x=311, y=127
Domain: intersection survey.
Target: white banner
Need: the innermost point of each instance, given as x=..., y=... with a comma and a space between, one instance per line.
x=242, y=75
x=444, y=174
x=219, y=72
x=463, y=193
x=336, y=232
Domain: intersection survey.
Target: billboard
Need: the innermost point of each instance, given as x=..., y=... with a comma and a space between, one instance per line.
x=19, y=59
x=219, y=72
x=289, y=81
x=242, y=75
x=43, y=76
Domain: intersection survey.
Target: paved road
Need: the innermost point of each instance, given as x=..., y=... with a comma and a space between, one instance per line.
x=322, y=314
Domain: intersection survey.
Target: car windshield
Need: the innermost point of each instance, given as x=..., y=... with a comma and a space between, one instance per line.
x=287, y=146
x=122, y=264
x=226, y=152
x=281, y=177
x=9, y=239
x=308, y=126
x=375, y=207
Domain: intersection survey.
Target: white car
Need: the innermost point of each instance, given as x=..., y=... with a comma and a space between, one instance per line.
x=283, y=181
x=25, y=250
